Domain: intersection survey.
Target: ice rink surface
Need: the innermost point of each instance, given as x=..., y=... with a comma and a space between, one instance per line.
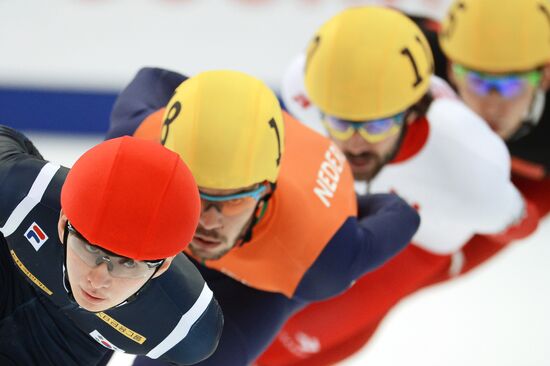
x=496, y=316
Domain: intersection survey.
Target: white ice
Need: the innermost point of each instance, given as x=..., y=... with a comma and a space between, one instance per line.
x=497, y=315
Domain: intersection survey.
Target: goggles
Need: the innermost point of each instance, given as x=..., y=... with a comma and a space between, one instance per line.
x=118, y=266
x=372, y=131
x=509, y=86
x=233, y=204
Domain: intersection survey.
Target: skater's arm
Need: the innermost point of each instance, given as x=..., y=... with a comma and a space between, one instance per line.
x=150, y=90
x=385, y=226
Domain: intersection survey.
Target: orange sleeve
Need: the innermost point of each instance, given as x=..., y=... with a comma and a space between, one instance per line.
x=151, y=126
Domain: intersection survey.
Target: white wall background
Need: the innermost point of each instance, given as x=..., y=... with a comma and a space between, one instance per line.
x=101, y=43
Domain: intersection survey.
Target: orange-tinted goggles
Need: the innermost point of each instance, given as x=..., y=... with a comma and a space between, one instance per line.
x=233, y=204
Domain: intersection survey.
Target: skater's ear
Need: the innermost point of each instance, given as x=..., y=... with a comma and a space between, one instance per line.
x=61, y=224
x=164, y=266
x=545, y=83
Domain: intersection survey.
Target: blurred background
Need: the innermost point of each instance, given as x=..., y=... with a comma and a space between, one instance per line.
x=63, y=62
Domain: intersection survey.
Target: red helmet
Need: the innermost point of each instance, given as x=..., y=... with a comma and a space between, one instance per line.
x=132, y=197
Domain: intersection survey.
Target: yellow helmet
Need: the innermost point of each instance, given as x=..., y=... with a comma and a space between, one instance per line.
x=497, y=35
x=367, y=63
x=228, y=128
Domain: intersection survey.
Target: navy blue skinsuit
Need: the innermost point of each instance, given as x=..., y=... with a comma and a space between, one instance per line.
x=253, y=317
x=175, y=318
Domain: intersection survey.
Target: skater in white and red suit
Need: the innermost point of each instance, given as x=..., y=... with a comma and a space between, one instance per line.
x=504, y=76
x=367, y=80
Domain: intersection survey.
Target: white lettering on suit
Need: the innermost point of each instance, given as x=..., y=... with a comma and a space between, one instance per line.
x=328, y=175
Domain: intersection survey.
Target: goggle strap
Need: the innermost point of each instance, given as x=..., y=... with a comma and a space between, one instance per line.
x=459, y=70
x=534, y=77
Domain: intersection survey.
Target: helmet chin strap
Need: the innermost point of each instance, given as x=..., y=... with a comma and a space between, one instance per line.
x=256, y=217
x=67, y=283
x=532, y=116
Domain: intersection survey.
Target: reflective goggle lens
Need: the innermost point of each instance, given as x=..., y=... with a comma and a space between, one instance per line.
x=372, y=131
x=338, y=124
x=509, y=86
x=235, y=204
x=378, y=127
x=120, y=267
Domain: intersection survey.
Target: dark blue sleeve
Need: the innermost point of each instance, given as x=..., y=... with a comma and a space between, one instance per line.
x=252, y=318
x=14, y=145
x=200, y=343
x=150, y=90
x=384, y=227
x=14, y=148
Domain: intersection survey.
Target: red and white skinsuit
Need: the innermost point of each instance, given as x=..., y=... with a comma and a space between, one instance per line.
x=456, y=171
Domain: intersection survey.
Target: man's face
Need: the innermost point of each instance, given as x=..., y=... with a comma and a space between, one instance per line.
x=222, y=223
x=94, y=287
x=503, y=109
x=365, y=157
